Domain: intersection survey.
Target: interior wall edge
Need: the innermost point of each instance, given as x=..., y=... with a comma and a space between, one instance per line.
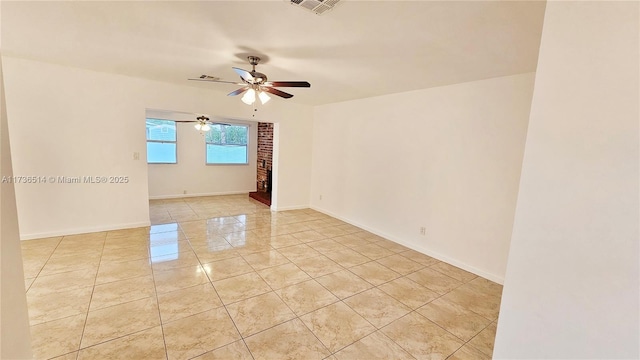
x=15, y=339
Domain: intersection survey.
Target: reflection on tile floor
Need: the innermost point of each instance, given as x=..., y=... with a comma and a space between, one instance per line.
x=224, y=278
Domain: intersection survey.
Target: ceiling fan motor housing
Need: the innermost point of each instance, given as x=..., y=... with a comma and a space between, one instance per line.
x=253, y=60
x=258, y=78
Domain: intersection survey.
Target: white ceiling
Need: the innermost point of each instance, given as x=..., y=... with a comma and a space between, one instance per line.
x=359, y=49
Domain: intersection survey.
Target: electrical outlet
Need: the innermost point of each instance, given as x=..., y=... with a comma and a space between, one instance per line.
x=136, y=156
x=320, y=197
x=184, y=191
x=423, y=231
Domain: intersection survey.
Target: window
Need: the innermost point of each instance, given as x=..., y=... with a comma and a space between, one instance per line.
x=227, y=144
x=161, y=142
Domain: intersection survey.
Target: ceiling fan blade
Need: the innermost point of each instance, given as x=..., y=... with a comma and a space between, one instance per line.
x=217, y=81
x=276, y=92
x=238, y=92
x=244, y=74
x=196, y=121
x=288, y=84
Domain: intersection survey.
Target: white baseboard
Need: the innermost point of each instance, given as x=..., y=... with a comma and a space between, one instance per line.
x=285, y=208
x=162, y=197
x=428, y=252
x=83, y=230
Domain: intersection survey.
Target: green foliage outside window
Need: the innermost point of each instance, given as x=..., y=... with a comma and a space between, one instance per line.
x=227, y=135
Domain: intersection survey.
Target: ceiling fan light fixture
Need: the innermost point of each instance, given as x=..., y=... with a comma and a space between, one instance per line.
x=264, y=98
x=202, y=124
x=249, y=97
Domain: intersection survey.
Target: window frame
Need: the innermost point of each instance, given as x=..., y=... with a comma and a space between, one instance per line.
x=163, y=142
x=206, y=143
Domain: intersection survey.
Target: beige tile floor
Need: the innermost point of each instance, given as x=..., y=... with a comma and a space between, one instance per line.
x=224, y=278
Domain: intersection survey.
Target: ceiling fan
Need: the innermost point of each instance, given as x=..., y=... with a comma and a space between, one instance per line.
x=256, y=83
x=202, y=123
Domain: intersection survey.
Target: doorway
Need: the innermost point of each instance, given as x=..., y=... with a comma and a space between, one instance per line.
x=264, y=171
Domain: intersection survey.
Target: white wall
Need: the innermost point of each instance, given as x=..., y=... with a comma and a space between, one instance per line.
x=72, y=122
x=14, y=319
x=572, y=283
x=191, y=174
x=290, y=186
x=445, y=158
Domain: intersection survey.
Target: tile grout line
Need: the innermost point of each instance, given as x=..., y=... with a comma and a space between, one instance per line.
x=476, y=335
x=401, y=275
x=332, y=353
x=225, y=308
x=296, y=316
x=375, y=327
x=45, y=263
x=125, y=302
x=416, y=310
x=288, y=221
x=412, y=310
x=155, y=291
x=438, y=325
x=86, y=319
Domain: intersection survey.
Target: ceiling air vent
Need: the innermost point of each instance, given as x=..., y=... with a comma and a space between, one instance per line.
x=317, y=6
